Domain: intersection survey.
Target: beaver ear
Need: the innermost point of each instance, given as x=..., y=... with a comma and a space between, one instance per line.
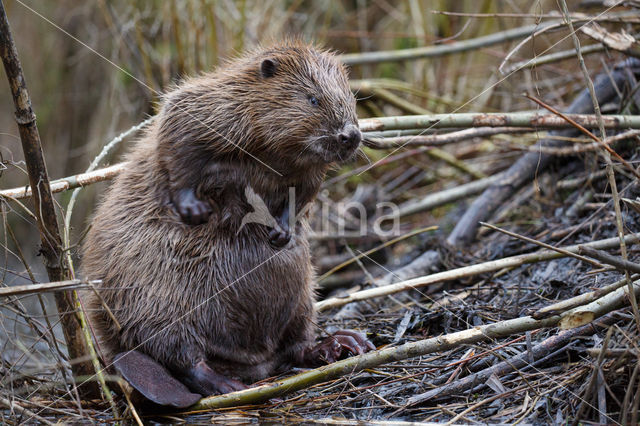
x=268, y=68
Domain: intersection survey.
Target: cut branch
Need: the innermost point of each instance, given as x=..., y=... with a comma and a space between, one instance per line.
x=466, y=271
x=355, y=364
x=513, y=119
x=70, y=182
x=524, y=170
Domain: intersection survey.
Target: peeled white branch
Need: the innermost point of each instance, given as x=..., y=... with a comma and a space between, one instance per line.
x=466, y=271
x=434, y=121
x=510, y=119
x=576, y=317
x=70, y=182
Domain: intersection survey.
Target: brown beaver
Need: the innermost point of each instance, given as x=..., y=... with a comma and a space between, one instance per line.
x=211, y=298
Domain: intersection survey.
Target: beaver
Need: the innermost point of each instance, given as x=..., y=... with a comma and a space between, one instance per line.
x=195, y=292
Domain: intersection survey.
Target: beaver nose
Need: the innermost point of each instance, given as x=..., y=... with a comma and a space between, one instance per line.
x=350, y=136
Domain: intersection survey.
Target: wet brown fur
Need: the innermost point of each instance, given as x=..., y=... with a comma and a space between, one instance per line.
x=187, y=293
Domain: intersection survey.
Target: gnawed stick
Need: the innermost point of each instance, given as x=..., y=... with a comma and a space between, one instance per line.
x=69, y=182
x=537, y=353
x=618, y=263
x=355, y=364
x=467, y=271
x=431, y=140
x=506, y=119
x=530, y=164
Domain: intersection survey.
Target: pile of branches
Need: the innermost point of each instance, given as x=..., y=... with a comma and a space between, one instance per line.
x=531, y=324
x=519, y=306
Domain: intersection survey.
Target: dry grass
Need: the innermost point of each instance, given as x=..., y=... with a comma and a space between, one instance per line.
x=100, y=69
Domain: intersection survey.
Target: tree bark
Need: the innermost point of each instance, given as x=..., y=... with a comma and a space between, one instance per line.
x=44, y=209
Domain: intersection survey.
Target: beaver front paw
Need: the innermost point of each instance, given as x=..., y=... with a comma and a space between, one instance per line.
x=279, y=237
x=192, y=210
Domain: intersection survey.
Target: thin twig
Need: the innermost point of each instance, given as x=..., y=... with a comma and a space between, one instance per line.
x=70, y=182
x=552, y=57
x=545, y=245
x=620, y=264
x=607, y=153
x=21, y=290
x=598, y=123
x=440, y=139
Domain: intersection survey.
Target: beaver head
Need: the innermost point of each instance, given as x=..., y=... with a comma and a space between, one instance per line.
x=303, y=105
x=290, y=104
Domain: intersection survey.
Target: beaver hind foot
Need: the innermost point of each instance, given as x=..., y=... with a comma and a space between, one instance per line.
x=157, y=384
x=152, y=380
x=204, y=380
x=340, y=345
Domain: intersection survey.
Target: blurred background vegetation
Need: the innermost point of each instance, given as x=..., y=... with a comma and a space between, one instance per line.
x=96, y=68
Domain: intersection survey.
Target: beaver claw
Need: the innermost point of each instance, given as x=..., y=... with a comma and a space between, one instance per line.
x=341, y=344
x=192, y=210
x=279, y=237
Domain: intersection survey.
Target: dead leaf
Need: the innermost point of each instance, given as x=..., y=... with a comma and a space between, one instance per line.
x=618, y=41
x=576, y=319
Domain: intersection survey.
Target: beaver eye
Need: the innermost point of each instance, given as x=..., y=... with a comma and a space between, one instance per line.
x=313, y=100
